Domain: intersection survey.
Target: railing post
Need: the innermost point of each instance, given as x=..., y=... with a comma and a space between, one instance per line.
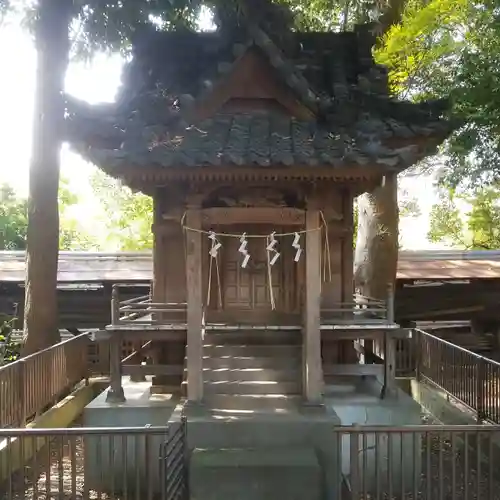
x=86, y=368
x=115, y=305
x=389, y=365
x=354, y=476
x=390, y=303
x=417, y=346
x=22, y=392
x=480, y=378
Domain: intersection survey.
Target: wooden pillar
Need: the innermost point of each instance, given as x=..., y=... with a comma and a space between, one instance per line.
x=389, y=363
x=194, y=307
x=312, y=363
x=115, y=392
x=160, y=257
x=347, y=248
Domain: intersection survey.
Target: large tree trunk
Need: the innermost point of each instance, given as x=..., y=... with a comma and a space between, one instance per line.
x=52, y=44
x=376, y=256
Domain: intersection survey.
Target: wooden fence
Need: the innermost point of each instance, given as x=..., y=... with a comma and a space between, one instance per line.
x=32, y=384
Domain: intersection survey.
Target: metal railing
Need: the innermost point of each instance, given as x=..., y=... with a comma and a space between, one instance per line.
x=31, y=384
x=420, y=462
x=94, y=463
x=468, y=377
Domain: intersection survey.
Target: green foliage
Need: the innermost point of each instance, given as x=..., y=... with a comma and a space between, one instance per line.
x=13, y=220
x=475, y=151
x=336, y=15
x=9, y=350
x=451, y=48
x=110, y=26
x=475, y=228
x=72, y=235
x=421, y=51
x=128, y=216
x=408, y=205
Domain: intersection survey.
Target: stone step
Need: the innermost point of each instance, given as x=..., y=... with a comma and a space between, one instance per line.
x=341, y=385
x=273, y=351
x=250, y=374
x=252, y=387
x=254, y=337
x=252, y=402
x=243, y=362
x=255, y=474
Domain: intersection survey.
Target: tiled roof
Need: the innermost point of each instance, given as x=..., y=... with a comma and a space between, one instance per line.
x=332, y=74
x=261, y=139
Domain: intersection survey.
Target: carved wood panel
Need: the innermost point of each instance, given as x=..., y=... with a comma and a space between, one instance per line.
x=248, y=288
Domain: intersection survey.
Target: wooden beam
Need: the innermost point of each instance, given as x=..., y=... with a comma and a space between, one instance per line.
x=312, y=365
x=194, y=306
x=253, y=215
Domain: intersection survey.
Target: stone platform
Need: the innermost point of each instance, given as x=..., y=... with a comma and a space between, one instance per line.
x=255, y=474
x=218, y=438
x=130, y=463
x=277, y=435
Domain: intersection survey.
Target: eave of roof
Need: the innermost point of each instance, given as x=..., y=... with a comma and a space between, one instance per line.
x=88, y=267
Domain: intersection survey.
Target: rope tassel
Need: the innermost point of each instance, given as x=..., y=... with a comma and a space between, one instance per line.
x=216, y=245
x=271, y=249
x=214, y=253
x=243, y=250
x=298, y=248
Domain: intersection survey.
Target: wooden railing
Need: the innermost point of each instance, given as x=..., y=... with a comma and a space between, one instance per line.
x=142, y=310
x=363, y=309
x=30, y=385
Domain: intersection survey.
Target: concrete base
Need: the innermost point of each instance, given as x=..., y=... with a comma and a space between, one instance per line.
x=269, y=432
x=301, y=428
x=128, y=462
x=399, y=453
x=440, y=406
x=255, y=474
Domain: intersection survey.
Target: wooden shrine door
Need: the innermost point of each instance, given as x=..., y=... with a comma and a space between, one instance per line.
x=246, y=291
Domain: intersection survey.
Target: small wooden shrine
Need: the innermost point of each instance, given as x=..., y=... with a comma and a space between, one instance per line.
x=253, y=148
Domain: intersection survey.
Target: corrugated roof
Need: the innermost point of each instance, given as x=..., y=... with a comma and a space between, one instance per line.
x=88, y=267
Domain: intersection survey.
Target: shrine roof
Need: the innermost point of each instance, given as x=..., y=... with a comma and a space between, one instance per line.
x=262, y=139
x=346, y=115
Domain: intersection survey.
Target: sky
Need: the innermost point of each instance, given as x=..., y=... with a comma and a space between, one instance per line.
x=98, y=82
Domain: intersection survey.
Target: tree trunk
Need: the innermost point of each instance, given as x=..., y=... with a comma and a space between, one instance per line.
x=52, y=44
x=376, y=255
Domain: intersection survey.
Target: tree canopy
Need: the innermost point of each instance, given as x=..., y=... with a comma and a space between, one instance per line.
x=467, y=220
x=127, y=216
x=124, y=217
x=14, y=221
